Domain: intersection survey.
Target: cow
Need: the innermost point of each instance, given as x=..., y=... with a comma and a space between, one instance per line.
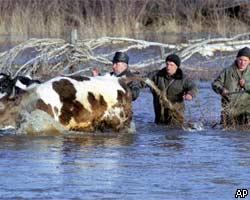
x=9, y=87
x=77, y=103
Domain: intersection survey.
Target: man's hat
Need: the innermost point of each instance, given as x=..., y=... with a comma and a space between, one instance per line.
x=244, y=52
x=174, y=58
x=120, y=57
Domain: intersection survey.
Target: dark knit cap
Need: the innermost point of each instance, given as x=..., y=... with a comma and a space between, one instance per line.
x=244, y=52
x=174, y=58
x=120, y=57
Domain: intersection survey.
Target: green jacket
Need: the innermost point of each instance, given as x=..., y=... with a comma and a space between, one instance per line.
x=175, y=87
x=235, y=104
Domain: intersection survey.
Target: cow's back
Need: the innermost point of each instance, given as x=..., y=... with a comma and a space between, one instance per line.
x=86, y=103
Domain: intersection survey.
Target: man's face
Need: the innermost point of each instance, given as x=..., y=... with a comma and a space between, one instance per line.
x=171, y=68
x=119, y=67
x=242, y=62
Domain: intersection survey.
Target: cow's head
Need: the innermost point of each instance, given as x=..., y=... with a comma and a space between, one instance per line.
x=12, y=87
x=6, y=85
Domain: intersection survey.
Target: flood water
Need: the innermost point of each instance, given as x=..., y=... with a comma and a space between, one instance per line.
x=154, y=163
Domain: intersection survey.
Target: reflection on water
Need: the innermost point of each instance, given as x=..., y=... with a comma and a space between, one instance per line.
x=153, y=163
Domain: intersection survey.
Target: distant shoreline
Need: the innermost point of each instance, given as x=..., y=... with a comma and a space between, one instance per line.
x=126, y=18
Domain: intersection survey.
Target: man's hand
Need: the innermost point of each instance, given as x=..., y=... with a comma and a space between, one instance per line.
x=224, y=92
x=187, y=97
x=242, y=83
x=95, y=72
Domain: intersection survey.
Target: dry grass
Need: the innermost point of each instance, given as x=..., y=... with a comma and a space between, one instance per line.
x=96, y=18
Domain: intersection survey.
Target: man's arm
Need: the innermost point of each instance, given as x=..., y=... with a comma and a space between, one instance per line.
x=190, y=89
x=135, y=89
x=218, y=83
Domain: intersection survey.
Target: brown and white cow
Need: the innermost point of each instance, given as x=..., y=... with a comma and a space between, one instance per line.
x=77, y=103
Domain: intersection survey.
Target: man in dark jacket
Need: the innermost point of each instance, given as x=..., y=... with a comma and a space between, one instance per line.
x=175, y=85
x=233, y=84
x=120, y=69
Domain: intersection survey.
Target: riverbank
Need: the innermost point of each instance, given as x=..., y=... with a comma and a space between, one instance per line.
x=22, y=20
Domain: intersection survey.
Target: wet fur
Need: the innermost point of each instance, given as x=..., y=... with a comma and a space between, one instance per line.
x=74, y=114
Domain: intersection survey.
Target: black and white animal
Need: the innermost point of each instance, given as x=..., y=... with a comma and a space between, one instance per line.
x=9, y=87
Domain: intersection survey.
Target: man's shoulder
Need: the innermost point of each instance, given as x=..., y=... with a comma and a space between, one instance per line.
x=187, y=78
x=128, y=73
x=157, y=72
x=229, y=68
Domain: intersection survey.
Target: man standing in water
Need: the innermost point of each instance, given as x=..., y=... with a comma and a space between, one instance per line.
x=120, y=69
x=175, y=85
x=233, y=84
